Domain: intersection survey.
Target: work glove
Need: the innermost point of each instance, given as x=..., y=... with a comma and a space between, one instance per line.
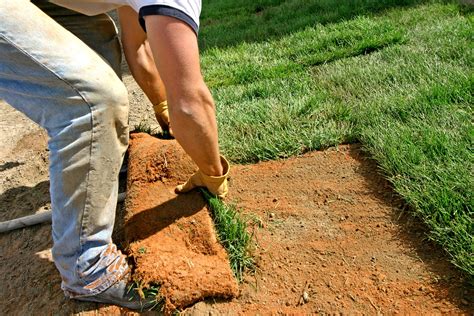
x=162, y=116
x=215, y=185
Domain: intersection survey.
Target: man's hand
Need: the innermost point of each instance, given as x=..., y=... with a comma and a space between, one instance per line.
x=215, y=185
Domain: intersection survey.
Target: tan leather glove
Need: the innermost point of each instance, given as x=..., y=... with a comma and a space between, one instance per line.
x=215, y=185
x=162, y=116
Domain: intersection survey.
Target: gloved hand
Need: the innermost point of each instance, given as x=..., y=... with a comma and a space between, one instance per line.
x=162, y=116
x=215, y=185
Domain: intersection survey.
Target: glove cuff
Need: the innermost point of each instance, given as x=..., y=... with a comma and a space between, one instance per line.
x=160, y=107
x=218, y=179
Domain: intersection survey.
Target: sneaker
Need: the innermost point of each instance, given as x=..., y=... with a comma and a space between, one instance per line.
x=122, y=294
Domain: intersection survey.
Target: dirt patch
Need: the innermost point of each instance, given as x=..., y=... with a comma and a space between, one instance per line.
x=172, y=238
x=334, y=240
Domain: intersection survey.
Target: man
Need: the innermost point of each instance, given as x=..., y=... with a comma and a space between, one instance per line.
x=57, y=80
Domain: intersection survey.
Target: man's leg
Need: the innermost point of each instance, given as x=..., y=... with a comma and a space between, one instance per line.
x=60, y=83
x=98, y=32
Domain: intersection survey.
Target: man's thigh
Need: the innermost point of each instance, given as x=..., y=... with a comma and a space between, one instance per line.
x=98, y=32
x=44, y=68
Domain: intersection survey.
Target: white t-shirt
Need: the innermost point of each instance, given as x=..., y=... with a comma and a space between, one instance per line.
x=93, y=7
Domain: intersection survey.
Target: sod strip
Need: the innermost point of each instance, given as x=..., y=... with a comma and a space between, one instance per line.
x=171, y=238
x=232, y=230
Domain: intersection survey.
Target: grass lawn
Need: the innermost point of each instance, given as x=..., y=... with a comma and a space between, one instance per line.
x=397, y=76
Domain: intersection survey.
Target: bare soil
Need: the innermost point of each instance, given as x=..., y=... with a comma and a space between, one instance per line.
x=333, y=237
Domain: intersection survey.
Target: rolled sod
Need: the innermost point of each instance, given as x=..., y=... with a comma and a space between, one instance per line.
x=171, y=238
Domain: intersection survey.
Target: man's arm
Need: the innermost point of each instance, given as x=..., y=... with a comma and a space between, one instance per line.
x=192, y=111
x=141, y=63
x=170, y=50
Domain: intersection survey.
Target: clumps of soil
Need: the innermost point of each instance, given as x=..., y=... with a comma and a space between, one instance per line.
x=171, y=238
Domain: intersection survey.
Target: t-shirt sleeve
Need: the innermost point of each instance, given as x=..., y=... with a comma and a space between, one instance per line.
x=187, y=11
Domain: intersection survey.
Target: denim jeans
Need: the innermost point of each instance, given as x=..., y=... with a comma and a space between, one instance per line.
x=59, y=82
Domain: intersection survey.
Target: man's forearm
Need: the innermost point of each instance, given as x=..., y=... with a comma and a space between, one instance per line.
x=143, y=69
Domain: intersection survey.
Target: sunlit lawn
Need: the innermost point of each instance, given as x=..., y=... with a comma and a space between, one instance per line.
x=293, y=76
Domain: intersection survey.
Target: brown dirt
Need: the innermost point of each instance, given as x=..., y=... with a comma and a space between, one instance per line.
x=332, y=228
x=172, y=238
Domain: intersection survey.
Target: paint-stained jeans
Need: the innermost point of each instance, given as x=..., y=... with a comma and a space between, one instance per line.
x=62, y=84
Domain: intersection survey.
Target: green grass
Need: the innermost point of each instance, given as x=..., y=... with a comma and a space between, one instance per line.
x=225, y=23
x=233, y=233
x=143, y=127
x=150, y=293
x=293, y=76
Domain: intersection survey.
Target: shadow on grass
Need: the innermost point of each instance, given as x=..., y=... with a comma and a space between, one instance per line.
x=228, y=23
x=448, y=282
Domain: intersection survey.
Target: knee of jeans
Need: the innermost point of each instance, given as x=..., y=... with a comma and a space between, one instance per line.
x=114, y=106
